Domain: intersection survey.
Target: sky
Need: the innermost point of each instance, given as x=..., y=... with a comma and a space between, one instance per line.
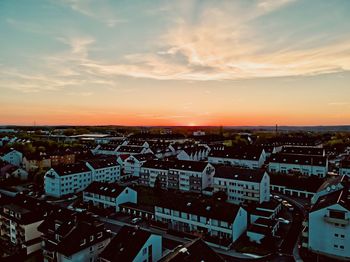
x=150, y=62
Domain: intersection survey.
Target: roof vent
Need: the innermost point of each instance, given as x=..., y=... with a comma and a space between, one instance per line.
x=189, y=204
x=208, y=208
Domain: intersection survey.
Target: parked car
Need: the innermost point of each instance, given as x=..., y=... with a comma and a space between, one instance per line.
x=136, y=220
x=277, y=198
x=283, y=221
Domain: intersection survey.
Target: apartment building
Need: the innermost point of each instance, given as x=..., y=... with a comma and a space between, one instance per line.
x=242, y=185
x=247, y=157
x=19, y=222
x=181, y=175
x=69, y=179
x=218, y=221
x=109, y=195
x=327, y=228
x=72, y=237
x=12, y=156
x=132, y=164
x=300, y=164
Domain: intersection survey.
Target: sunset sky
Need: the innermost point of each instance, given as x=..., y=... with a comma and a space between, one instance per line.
x=148, y=62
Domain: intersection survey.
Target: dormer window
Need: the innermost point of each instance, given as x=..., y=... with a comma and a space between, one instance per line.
x=99, y=234
x=91, y=238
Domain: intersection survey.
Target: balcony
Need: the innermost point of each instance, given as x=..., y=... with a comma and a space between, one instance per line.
x=333, y=220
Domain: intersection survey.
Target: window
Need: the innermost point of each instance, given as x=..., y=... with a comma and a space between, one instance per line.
x=82, y=242
x=144, y=251
x=99, y=234
x=335, y=246
x=336, y=214
x=336, y=235
x=341, y=247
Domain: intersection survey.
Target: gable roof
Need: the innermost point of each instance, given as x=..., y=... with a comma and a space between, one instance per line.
x=245, y=153
x=105, y=189
x=303, y=150
x=242, y=174
x=203, y=207
x=103, y=162
x=64, y=170
x=298, y=159
x=341, y=197
x=131, y=149
x=125, y=245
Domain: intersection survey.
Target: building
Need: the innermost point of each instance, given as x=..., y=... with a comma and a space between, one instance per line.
x=180, y=175
x=261, y=229
x=299, y=164
x=12, y=156
x=19, y=223
x=104, y=169
x=67, y=179
x=195, y=153
x=133, y=244
x=133, y=163
x=8, y=170
x=247, y=157
x=217, y=222
x=72, y=237
x=109, y=195
x=196, y=250
x=242, y=185
x=62, y=157
x=36, y=161
x=344, y=167
x=327, y=229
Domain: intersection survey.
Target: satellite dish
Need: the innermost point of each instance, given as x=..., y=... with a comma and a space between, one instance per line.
x=328, y=189
x=333, y=187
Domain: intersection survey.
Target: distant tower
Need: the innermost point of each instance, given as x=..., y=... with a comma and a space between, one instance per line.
x=276, y=129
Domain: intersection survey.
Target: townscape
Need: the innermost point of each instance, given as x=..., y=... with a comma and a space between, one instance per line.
x=173, y=194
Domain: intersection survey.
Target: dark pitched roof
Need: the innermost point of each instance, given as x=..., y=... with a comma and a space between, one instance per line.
x=298, y=159
x=259, y=229
x=197, y=250
x=136, y=143
x=196, y=166
x=242, y=174
x=125, y=245
x=105, y=189
x=28, y=209
x=157, y=164
x=108, y=147
x=303, y=150
x=144, y=157
x=203, y=207
x=246, y=153
x=341, y=197
x=103, y=162
x=131, y=149
x=73, y=228
x=64, y=170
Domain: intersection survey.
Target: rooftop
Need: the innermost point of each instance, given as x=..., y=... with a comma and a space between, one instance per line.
x=242, y=174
